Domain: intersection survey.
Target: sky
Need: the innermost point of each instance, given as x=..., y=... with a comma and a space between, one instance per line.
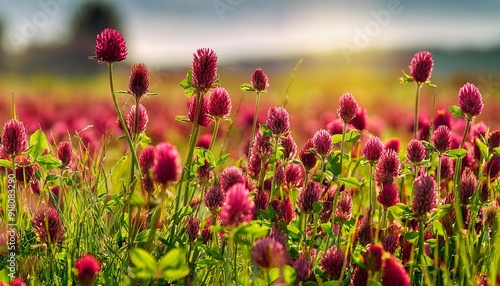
x=168, y=32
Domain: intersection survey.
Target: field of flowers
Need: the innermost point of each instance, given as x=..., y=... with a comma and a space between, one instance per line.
x=243, y=203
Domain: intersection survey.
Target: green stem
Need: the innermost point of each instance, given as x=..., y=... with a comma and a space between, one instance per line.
x=371, y=190
x=342, y=147
x=254, y=125
x=420, y=240
x=339, y=235
x=273, y=184
x=214, y=135
x=315, y=225
x=438, y=179
x=235, y=270
x=415, y=122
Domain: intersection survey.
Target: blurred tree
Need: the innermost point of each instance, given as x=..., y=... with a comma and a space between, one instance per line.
x=92, y=18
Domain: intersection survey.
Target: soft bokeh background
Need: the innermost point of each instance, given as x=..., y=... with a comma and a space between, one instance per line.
x=345, y=46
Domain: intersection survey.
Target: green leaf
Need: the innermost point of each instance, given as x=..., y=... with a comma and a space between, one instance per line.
x=176, y=274
x=38, y=144
x=333, y=163
x=496, y=150
x=456, y=111
x=49, y=162
x=214, y=254
x=142, y=236
x=222, y=159
x=183, y=212
x=293, y=231
x=428, y=145
x=182, y=118
x=352, y=136
x=440, y=212
x=327, y=228
x=289, y=274
x=5, y=163
x=173, y=259
x=400, y=211
x=456, y=153
x=250, y=231
x=203, y=263
x=406, y=78
x=430, y=84
x=246, y=87
x=336, y=139
x=143, y=260
x=317, y=207
x=294, y=194
x=412, y=237
x=483, y=148
x=437, y=228
x=137, y=199
x=350, y=182
x=266, y=131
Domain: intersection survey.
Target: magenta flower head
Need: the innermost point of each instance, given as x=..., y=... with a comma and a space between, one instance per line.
x=14, y=140
x=424, y=195
x=442, y=117
x=110, y=46
x=348, y=108
x=322, y=141
x=336, y=126
x=294, y=175
x=373, y=257
x=389, y=195
x=373, y=148
x=494, y=139
x=203, y=119
x=65, y=153
x=360, y=120
x=17, y=282
x=214, y=198
x=138, y=83
x=147, y=159
x=204, y=69
x=219, y=103
x=87, y=268
x=415, y=151
x=394, y=273
x=309, y=195
x=302, y=268
x=470, y=100
x=204, y=141
x=262, y=146
x=230, y=177
x=442, y=139
x=332, y=262
x=269, y=253
x=48, y=226
x=421, y=67
x=388, y=167
x=289, y=147
x=278, y=121
x=168, y=164
x=261, y=200
x=192, y=228
x=344, y=206
x=237, y=207
x=142, y=120
x=259, y=80
x=393, y=144
x=306, y=155
x=468, y=183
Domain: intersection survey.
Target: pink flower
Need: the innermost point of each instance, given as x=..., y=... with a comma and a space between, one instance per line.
x=219, y=103
x=269, y=253
x=415, y=151
x=494, y=139
x=14, y=140
x=204, y=69
x=261, y=200
x=348, y=108
x=421, y=66
x=204, y=141
x=442, y=117
x=237, y=208
x=138, y=83
x=322, y=142
x=360, y=121
x=65, y=153
x=302, y=268
x=259, y=80
x=192, y=228
x=393, y=144
x=394, y=274
x=262, y=146
x=332, y=262
x=110, y=46
x=142, y=120
x=278, y=121
x=289, y=147
x=230, y=177
x=294, y=175
x=373, y=148
x=48, y=226
x=470, y=100
x=203, y=119
x=373, y=257
x=308, y=196
x=442, y=139
x=168, y=164
x=307, y=157
x=344, y=206
x=389, y=195
x=17, y=282
x=388, y=167
x=424, y=195
x=87, y=268
x=468, y=183
x=214, y=198
x=147, y=159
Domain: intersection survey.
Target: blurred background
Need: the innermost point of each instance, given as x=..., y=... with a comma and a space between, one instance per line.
x=359, y=47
